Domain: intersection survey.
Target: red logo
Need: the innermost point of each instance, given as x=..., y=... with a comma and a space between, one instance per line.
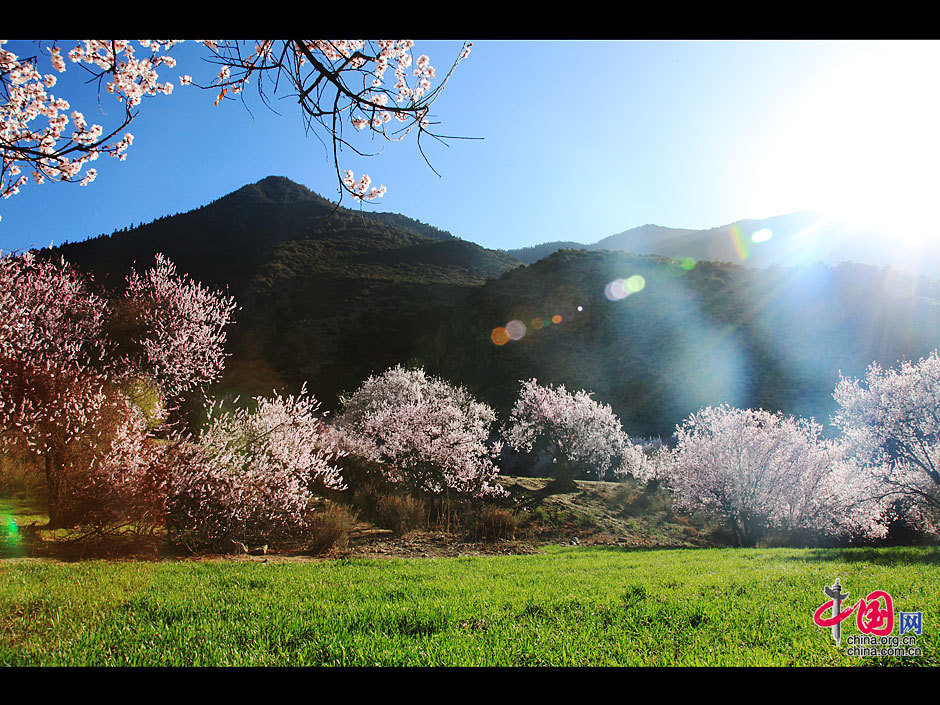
x=870, y=616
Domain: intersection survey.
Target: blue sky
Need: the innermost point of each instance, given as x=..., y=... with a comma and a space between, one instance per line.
x=581, y=140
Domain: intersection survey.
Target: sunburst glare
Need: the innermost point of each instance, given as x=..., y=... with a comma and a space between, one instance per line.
x=863, y=146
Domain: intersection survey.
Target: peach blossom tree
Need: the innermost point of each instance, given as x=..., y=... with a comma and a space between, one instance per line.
x=763, y=472
x=252, y=473
x=581, y=434
x=891, y=421
x=432, y=437
x=65, y=374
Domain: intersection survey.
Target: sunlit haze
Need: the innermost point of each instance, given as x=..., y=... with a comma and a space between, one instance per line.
x=861, y=144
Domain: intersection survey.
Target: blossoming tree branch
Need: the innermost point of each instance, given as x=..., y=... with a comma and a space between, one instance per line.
x=337, y=84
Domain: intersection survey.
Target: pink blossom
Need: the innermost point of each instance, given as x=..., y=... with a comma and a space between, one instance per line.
x=890, y=421
x=249, y=475
x=132, y=74
x=434, y=436
x=576, y=430
x=70, y=360
x=764, y=472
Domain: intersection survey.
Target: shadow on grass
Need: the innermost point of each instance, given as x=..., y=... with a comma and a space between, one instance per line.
x=887, y=556
x=29, y=542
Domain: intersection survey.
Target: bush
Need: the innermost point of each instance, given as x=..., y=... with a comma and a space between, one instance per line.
x=329, y=529
x=401, y=513
x=20, y=476
x=492, y=524
x=251, y=476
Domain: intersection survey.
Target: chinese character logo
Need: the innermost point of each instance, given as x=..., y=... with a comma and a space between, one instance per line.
x=874, y=613
x=911, y=622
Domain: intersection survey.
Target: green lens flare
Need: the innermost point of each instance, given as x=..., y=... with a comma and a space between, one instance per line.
x=635, y=283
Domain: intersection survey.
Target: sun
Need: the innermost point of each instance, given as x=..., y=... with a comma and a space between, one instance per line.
x=863, y=146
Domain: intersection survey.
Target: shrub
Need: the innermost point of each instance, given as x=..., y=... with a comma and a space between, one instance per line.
x=19, y=476
x=329, y=529
x=492, y=524
x=250, y=476
x=401, y=513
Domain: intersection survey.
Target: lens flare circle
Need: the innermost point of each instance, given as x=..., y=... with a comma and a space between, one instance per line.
x=515, y=330
x=621, y=288
x=615, y=291
x=499, y=336
x=762, y=235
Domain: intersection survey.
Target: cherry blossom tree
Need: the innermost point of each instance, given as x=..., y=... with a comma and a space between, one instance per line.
x=114, y=479
x=65, y=373
x=173, y=329
x=581, y=434
x=761, y=472
x=432, y=436
x=891, y=421
x=51, y=344
x=338, y=84
x=252, y=473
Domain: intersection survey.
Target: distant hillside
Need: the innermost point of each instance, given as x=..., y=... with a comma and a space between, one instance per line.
x=531, y=255
x=716, y=333
x=800, y=238
x=328, y=295
x=223, y=243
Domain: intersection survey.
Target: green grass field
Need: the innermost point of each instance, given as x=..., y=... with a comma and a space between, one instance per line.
x=573, y=606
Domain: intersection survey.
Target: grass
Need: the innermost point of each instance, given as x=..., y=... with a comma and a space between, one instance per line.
x=585, y=606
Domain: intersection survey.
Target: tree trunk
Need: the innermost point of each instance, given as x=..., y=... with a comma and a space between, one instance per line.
x=57, y=488
x=738, y=532
x=564, y=477
x=747, y=531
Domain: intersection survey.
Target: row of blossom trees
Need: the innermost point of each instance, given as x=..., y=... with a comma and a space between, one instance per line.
x=90, y=380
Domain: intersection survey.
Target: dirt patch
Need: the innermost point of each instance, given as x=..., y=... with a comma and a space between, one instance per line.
x=601, y=513
x=380, y=543
x=625, y=514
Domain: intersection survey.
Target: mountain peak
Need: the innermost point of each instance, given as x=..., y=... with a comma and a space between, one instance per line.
x=277, y=189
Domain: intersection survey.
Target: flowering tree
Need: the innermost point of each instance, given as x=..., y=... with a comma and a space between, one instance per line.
x=580, y=433
x=335, y=82
x=432, y=435
x=173, y=329
x=891, y=421
x=250, y=476
x=51, y=342
x=113, y=479
x=64, y=372
x=761, y=471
